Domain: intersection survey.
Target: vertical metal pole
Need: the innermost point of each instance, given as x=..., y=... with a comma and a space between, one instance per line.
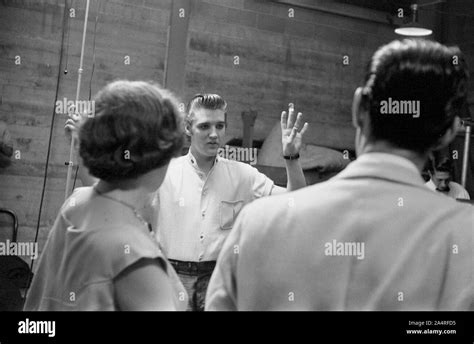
x=78, y=91
x=465, y=158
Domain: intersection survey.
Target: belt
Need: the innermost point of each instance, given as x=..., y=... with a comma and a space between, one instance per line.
x=193, y=267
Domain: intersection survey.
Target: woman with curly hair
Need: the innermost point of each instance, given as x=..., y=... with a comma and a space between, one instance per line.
x=101, y=253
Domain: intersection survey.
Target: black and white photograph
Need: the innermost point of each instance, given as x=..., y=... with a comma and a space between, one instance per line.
x=250, y=156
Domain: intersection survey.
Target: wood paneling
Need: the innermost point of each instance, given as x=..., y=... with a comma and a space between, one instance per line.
x=281, y=60
x=33, y=30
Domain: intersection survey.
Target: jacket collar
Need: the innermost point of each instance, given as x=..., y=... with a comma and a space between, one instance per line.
x=383, y=166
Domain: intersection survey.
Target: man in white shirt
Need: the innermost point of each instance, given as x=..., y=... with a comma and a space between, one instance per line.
x=373, y=237
x=440, y=179
x=203, y=193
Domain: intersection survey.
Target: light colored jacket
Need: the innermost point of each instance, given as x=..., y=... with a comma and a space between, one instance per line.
x=372, y=238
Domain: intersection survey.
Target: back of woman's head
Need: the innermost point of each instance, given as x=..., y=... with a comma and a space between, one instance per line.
x=136, y=128
x=421, y=71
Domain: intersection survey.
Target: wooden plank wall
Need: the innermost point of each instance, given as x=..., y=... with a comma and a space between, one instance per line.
x=281, y=60
x=33, y=30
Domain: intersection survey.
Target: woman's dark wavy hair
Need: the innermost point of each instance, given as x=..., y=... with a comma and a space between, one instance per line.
x=136, y=128
x=420, y=70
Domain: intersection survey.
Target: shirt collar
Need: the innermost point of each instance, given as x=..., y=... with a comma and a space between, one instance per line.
x=192, y=160
x=383, y=166
x=431, y=185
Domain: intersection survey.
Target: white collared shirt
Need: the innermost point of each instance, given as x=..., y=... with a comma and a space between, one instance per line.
x=196, y=213
x=455, y=190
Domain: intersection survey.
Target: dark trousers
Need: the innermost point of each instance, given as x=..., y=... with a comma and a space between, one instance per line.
x=195, y=277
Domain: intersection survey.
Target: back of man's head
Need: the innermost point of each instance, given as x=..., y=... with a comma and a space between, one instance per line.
x=441, y=163
x=414, y=72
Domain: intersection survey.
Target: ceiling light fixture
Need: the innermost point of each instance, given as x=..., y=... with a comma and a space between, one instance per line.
x=413, y=28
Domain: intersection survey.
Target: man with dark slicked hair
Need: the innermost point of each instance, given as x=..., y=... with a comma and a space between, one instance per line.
x=202, y=193
x=373, y=237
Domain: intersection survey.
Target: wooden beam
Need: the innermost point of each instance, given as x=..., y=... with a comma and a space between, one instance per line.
x=248, y=119
x=339, y=9
x=175, y=63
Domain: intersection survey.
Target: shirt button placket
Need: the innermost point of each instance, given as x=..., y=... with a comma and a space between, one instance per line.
x=202, y=190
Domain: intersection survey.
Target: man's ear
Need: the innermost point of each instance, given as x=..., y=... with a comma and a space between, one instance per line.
x=187, y=129
x=449, y=135
x=360, y=107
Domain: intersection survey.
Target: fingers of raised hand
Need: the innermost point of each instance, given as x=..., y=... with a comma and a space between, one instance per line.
x=291, y=115
x=305, y=127
x=70, y=124
x=298, y=123
x=75, y=116
x=294, y=131
x=284, y=119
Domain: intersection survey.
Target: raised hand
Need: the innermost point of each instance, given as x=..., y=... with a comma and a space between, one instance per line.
x=292, y=131
x=73, y=123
